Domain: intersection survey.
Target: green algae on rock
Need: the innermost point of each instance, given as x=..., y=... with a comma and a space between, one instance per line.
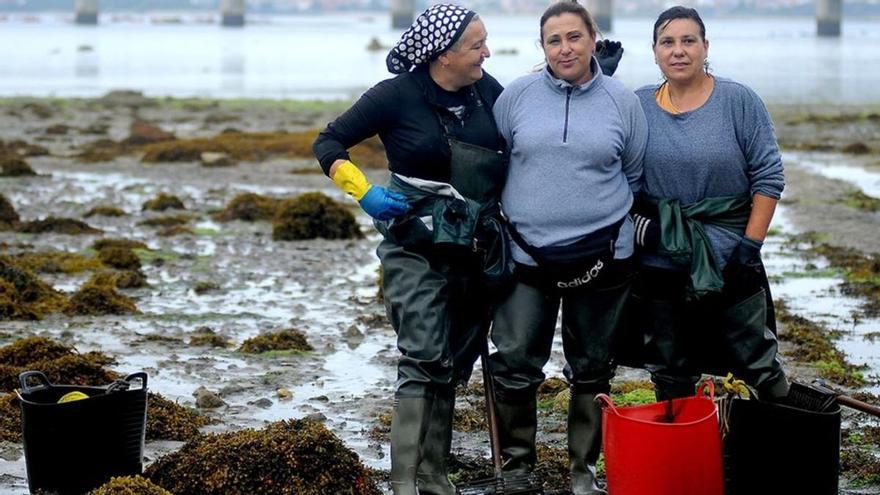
x=284, y=340
x=123, y=243
x=299, y=457
x=312, y=215
x=129, y=485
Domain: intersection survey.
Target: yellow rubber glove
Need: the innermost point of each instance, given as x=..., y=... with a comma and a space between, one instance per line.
x=377, y=201
x=351, y=180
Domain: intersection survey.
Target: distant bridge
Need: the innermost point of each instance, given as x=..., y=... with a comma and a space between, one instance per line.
x=828, y=13
x=232, y=12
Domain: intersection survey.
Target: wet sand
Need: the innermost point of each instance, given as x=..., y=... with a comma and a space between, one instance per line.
x=327, y=289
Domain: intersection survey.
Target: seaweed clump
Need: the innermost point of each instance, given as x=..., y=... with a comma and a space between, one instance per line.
x=56, y=262
x=23, y=296
x=312, y=215
x=95, y=299
x=58, y=225
x=304, y=456
x=861, y=273
x=860, y=201
x=10, y=419
x=815, y=347
x=129, y=485
x=8, y=216
x=121, y=258
x=284, y=340
x=206, y=336
x=249, y=207
x=167, y=420
x=14, y=166
x=124, y=279
x=166, y=221
x=162, y=202
x=60, y=363
x=123, y=243
x=105, y=211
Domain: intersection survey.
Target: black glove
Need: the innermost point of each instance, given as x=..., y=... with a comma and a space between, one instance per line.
x=744, y=273
x=647, y=231
x=608, y=53
x=747, y=255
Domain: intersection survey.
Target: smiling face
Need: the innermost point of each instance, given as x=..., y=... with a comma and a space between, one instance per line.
x=464, y=61
x=568, y=47
x=680, y=50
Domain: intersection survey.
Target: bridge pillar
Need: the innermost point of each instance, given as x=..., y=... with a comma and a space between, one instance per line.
x=403, y=13
x=86, y=11
x=828, y=14
x=232, y=12
x=601, y=12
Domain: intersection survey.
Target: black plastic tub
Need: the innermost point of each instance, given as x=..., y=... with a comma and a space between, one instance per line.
x=73, y=447
x=773, y=449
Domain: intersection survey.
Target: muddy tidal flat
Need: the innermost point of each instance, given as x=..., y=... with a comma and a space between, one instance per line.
x=198, y=241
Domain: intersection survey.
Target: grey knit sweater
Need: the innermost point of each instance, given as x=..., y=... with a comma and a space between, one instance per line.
x=725, y=147
x=575, y=158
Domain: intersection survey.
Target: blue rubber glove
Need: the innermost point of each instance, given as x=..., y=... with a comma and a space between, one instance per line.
x=382, y=204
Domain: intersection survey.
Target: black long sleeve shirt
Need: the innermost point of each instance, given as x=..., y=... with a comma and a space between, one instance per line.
x=405, y=112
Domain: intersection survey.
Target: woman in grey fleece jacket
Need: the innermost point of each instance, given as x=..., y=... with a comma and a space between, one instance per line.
x=713, y=164
x=576, y=140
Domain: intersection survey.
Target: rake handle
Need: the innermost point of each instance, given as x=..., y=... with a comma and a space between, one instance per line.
x=491, y=413
x=847, y=401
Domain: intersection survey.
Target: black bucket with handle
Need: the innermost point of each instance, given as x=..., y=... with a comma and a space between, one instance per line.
x=74, y=446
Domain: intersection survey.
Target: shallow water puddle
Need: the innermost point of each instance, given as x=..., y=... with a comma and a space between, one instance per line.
x=839, y=167
x=818, y=298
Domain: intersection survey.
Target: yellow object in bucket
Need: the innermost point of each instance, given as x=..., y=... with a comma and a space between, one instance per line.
x=72, y=396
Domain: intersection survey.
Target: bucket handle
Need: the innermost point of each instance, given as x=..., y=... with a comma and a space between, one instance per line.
x=140, y=375
x=606, y=401
x=40, y=377
x=706, y=384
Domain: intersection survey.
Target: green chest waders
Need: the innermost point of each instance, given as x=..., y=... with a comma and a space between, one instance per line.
x=438, y=310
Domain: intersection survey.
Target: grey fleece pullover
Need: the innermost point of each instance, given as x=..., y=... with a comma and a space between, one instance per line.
x=575, y=158
x=725, y=147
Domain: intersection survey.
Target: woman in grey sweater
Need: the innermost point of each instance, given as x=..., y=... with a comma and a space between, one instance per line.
x=713, y=175
x=576, y=139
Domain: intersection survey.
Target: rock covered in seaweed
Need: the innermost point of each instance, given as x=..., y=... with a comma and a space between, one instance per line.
x=299, y=457
x=312, y=215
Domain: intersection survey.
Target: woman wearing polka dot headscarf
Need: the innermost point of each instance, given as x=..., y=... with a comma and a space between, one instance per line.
x=435, y=120
x=443, y=249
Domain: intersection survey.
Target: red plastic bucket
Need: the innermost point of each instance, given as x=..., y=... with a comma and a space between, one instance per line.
x=666, y=448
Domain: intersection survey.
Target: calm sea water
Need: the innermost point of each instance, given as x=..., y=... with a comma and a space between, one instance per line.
x=325, y=56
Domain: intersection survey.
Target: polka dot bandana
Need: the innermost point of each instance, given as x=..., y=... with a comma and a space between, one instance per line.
x=434, y=31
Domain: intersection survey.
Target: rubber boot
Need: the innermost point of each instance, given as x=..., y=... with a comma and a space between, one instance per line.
x=433, y=475
x=409, y=422
x=517, y=426
x=754, y=348
x=584, y=443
